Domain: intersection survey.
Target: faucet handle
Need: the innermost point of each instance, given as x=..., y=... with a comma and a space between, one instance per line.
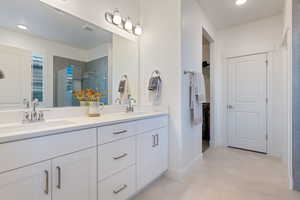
x=118, y=101
x=132, y=100
x=41, y=116
x=35, y=102
x=26, y=103
x=26, y=117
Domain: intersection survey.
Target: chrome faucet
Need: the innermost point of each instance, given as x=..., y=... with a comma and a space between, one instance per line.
x=32, y=115
x=130, y=107
x=118, y=101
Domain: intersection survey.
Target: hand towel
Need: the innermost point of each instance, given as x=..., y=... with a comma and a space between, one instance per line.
x=124, y=90
x=154, y=87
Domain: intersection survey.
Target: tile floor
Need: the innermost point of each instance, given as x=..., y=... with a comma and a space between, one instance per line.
x=227, y=174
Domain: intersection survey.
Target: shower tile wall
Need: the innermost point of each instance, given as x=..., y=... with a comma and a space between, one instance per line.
x=93, y=74
x=96, y=76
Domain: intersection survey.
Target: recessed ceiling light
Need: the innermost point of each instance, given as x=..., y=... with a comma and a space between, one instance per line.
x=240, y=2
x=23, y=27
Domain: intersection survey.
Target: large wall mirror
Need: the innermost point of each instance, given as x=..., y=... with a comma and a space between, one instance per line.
x=46, y=54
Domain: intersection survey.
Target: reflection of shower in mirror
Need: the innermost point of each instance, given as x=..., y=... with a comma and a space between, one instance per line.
x=87, y=75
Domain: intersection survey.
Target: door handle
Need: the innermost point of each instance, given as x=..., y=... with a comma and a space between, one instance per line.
x=230, y=107
x=157, y=140
x=58, y=177
x=153, y=141
x=46, y=191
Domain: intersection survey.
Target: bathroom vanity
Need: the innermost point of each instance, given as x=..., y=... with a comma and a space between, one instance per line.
x=109, y=158
x=49, y=149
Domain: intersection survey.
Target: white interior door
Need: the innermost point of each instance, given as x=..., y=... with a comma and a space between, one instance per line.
x=247, y=102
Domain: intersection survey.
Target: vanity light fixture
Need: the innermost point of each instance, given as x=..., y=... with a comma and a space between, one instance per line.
x=138, y=30
x=126, y=24
x=116, y=18
x=23, y=27
x=240, y=2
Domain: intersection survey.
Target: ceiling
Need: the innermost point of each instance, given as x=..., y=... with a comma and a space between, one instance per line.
x=50, y=24
x=224, y=13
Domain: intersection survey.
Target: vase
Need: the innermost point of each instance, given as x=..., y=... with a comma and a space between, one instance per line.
x=94, y=108
x=83, y=103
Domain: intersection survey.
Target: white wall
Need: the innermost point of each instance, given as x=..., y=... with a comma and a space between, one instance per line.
x=94, y=11
x=258, y=37
x=125, y=60
x=287, y=55
x=194, y=19
x=160, y=50
x=98, y=52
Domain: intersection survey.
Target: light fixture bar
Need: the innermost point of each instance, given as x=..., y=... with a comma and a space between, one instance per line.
x=126, y=24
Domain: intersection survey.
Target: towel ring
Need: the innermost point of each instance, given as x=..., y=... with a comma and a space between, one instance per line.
x=155, y=73
x=124, y=77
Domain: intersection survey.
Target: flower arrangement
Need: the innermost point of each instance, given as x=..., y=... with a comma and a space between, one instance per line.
x=88, y=95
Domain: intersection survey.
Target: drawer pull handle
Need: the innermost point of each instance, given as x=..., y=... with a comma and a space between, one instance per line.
x=46, y=191
x=58, y=178
x=120, y=132
x=117, y=191
x=119, y=157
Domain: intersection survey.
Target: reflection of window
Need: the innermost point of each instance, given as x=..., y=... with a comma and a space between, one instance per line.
x=37, y=78
x=70, y=72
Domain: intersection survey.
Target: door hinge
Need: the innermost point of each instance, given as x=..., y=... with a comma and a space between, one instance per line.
x=267, y=137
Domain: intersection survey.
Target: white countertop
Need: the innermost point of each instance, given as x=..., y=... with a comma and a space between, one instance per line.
x=16, y=132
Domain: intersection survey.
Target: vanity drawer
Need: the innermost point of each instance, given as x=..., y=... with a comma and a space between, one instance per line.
x=116, y=156
x=152, y=124
x=119, y=187
x=26, y=152
x=114, y=132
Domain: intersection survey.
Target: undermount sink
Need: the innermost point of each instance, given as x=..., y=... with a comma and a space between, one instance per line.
x=33, y=126
x=136, y=113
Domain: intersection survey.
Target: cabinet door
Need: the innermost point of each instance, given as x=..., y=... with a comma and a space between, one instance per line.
x=28, y=183
x=151, y=155
x=163, y=145
x=75, y=176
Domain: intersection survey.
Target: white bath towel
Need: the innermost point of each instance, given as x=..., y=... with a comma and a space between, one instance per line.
x=197, y=97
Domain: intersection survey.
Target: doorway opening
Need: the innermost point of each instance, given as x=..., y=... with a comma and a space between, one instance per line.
x=206, y=61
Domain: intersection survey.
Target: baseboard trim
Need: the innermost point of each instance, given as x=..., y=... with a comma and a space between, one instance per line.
x=178, y=174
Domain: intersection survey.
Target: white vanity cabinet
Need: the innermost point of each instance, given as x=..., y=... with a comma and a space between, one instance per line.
x=152, y=156
x=66, y=167
x=131, y=155
x=28, y=183
x=75, y=176
x=112, y=162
